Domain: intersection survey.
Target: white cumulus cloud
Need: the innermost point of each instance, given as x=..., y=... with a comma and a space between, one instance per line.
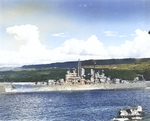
x=92, y=46
x=32, y=51
x=29, y=36
x=139, y=47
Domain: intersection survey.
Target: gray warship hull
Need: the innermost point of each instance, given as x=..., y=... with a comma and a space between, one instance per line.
x=2, y=88
x=101, y=86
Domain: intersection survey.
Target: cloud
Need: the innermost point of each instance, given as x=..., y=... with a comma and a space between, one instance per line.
x=110, y=33
x=113, y=33
x=28, y=35
x=92, y=46
x=31, y=51
x=139, y=47
x=30, y=47
x=60, y=35
x=24, y=32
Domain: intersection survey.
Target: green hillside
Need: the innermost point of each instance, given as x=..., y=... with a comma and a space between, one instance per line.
x=124, y=71
x=141, y=66
x=115, y=68
x=33, y=75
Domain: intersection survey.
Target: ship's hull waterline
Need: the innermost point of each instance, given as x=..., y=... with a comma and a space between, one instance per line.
x=101, y=86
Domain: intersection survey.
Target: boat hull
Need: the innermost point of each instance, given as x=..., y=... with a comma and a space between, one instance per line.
x=66, y=87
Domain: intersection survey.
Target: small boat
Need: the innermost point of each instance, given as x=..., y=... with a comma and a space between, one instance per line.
x=130, y=114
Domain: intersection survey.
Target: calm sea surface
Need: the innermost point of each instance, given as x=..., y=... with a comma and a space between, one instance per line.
x=95, y=105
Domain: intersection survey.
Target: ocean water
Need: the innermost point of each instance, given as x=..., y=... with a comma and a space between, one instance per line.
x=93, y=105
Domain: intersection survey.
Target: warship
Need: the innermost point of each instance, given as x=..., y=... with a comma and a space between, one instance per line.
x=79, y=81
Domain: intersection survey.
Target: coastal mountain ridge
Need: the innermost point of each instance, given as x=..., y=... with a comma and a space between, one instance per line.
x=126, y=69
x=74, y=64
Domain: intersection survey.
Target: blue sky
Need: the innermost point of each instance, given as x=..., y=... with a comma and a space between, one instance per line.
x=56, y=29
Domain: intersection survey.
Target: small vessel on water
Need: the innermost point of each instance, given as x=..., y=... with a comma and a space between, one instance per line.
x=130, y=114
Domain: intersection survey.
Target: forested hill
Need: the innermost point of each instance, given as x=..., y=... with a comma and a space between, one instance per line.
x=74, y=64
x=116, y=68
x=115, y=61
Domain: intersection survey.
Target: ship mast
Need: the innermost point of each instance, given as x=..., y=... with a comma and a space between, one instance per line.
x=79, y=68
x=94, y=67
